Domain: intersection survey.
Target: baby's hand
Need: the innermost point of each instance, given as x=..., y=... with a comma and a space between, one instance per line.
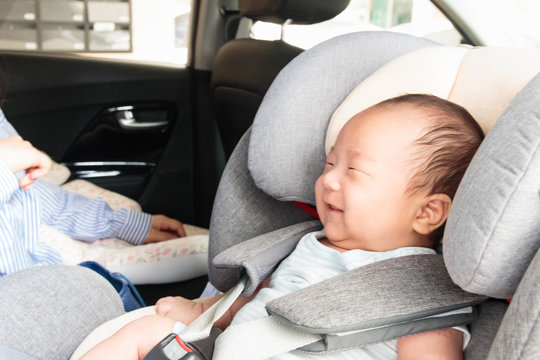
x=179, y=308
x=19, y=154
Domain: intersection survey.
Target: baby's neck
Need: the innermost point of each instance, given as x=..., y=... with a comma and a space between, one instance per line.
x=420, y=243
x=327, y=243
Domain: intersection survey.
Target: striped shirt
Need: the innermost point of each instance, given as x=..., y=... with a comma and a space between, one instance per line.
x=22, y=212
x=312, y=262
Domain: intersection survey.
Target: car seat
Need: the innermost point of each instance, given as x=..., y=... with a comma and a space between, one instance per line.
x=244, y=68
x=254, y=223
x=492, y=233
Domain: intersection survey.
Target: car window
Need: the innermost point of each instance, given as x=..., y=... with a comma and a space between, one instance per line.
x=415, y=17
x=138, y=30
x=506, y=23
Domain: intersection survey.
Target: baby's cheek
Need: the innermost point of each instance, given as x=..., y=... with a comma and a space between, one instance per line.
x=318, y=189
x=318, y=196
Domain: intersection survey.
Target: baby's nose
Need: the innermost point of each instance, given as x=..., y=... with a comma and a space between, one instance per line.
x=331, y=180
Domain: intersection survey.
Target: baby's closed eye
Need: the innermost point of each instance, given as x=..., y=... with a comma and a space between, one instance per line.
x=357, y=170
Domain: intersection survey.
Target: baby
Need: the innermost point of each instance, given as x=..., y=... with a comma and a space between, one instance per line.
x=385, y=192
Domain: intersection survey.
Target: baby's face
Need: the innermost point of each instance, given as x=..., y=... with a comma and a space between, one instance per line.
x=361, y=195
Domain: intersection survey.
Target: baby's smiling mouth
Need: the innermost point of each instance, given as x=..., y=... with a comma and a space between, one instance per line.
x=333, y=208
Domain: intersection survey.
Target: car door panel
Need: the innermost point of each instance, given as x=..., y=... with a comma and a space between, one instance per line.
x=71, y=107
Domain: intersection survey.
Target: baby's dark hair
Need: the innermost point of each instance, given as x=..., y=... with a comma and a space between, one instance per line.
x=446, y=148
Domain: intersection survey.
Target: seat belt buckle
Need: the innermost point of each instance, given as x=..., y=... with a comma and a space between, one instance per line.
x=172, y=347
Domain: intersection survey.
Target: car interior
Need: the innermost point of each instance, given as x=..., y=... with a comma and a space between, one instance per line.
x=210, y=145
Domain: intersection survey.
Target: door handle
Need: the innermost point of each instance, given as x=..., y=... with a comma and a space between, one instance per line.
x=127, y=121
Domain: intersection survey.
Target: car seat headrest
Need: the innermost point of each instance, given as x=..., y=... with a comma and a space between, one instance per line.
x=325, y=86
x=286, y=150
x=482, y=80
x=493, y=230
x=298, y=11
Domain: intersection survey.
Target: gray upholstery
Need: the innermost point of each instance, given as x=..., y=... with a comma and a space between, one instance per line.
x=308, y=91
x=44, y=294
x=259, y=256
x=484, y=329
x=519, y=334
x=419, y=284
x=298, y=11
x=493, y=229
x=242, y=212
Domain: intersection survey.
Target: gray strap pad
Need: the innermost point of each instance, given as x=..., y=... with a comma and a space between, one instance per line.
x=260, y=255
x=380, y=301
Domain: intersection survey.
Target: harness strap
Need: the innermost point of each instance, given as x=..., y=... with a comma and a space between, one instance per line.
x=200, y=328
x=268, y=337
x=231, y=344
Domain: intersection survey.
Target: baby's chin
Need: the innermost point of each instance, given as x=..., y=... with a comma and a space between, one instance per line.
x=334, y=234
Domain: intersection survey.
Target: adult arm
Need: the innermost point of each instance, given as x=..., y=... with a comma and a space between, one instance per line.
x=19, y=215
x=8, y=184
x=82, y=218
x=20, y=156
x=89, y=219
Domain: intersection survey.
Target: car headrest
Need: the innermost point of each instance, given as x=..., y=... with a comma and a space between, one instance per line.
x=502, y=182
x=286, y=151
x=482, y=80
x=298, y=11
x=493, y=230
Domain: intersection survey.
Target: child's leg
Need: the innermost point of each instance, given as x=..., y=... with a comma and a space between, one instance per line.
x=134, y=340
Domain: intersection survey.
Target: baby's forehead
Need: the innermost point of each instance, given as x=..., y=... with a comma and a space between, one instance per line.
x=400, y=114
x=387, y=119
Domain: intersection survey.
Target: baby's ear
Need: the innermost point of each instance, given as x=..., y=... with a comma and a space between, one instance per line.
x=432, y=214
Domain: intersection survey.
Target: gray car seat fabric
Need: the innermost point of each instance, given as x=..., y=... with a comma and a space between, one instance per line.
x=242, y=212
x=418, y=285
x=484, y=328
x=519, y=333
x=47, y=311
x=493, y=229
x=420, y=288
x=259, y=261
x=312, y=87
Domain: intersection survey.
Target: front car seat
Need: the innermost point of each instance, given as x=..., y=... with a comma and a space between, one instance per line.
x=244, y=68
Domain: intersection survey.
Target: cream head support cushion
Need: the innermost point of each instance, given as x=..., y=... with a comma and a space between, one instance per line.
x=482, y=80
